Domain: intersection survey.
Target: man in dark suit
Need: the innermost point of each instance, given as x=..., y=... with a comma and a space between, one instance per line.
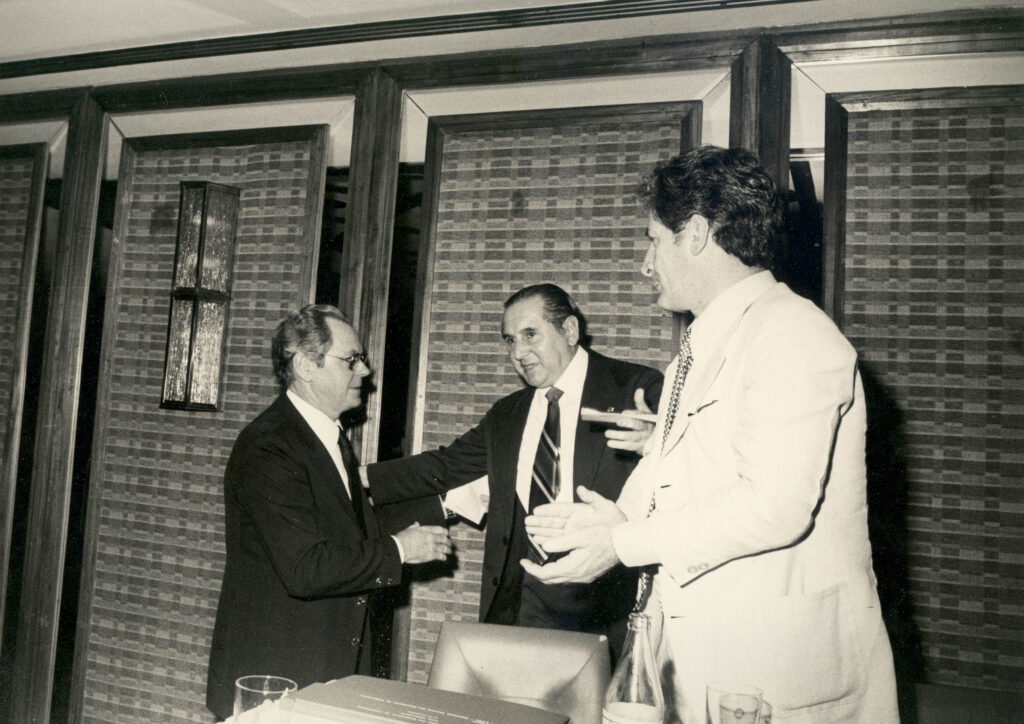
x=305, y=549
x=542, y=328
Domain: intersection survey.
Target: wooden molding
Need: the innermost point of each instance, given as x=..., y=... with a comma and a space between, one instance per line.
x=834, y=233
x=18, y=349
x=496, y=20
x=90, y=537
x=39, y=105
x=989, y=30
x=53, y=457
x=366, y=254
x=760, y=107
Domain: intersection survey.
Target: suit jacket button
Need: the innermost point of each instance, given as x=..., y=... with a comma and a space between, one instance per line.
x=354, y=641
x=361, y=601
x=691, y=569
x=504, y=539
x=495, y=580
x=378, y=581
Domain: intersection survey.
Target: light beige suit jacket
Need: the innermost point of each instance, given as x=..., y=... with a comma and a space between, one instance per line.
x=760, y=527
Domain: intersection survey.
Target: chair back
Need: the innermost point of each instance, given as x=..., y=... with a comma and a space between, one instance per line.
x=562, y=671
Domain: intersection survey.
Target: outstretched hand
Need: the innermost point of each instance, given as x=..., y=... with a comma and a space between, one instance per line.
x=584, y=529
x=631, y=433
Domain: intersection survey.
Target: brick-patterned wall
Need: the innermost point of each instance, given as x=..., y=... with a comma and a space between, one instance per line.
x=934, y=302
x=160, y=547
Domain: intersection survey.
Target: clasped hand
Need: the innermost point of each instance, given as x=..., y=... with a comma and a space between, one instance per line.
x=421, y=544
x=584, y=529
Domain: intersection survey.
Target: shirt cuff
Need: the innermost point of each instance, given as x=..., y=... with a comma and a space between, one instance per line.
x=401, y=553
x=634, y=545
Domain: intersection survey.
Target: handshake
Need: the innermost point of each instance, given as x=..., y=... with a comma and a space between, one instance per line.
x=422, y=544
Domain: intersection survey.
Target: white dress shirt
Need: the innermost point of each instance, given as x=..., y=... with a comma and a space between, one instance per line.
x=326, y=430
x=571, y=385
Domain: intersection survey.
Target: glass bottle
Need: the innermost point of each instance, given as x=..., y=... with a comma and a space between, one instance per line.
x=634, y=694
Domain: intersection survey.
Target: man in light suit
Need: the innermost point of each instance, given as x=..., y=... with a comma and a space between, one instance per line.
x=305, y=549
x=541, y=327
x=750, y=501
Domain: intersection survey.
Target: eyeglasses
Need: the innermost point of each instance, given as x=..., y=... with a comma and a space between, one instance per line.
x=352, y=360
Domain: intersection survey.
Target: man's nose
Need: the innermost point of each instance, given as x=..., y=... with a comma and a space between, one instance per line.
x=647, y=268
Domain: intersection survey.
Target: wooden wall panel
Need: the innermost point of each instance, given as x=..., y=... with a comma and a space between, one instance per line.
x=22, y=179
x=518, y=199
x=57, y=417
x=933, y=299
x=155, y=531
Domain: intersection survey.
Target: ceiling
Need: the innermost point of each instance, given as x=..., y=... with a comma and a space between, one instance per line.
x=78, y=26
x=31, y=29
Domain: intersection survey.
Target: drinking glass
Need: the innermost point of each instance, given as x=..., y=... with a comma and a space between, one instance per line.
x=733, y=702
x=262, y=699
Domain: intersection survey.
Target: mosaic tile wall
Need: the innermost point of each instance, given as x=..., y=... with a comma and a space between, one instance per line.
x=517, y=207
x=934, y=302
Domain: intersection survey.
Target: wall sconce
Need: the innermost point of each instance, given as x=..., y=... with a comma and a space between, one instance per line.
x=207, y=223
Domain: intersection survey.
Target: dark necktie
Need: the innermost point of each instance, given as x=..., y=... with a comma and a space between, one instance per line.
x=643, y=590
x=348, y=457
x=546, y=479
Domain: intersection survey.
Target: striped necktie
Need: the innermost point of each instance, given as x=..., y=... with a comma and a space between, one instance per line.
x=643, y=589
x=546, y=480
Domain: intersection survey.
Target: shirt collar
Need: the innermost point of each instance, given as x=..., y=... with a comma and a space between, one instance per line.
x=323, y=427
x=721, y=315
x=571, y=380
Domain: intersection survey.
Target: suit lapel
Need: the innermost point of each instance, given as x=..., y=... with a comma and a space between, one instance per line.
x=506, y=455
x=601, y=393
x=693, y=393
x=700, y=379
x=324, y=476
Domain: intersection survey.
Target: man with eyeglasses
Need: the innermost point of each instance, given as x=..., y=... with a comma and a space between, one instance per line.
x=305, y=548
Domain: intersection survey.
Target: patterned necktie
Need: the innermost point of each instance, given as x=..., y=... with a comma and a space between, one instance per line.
x=546, y=480
x=643, y=589
x=348, y=457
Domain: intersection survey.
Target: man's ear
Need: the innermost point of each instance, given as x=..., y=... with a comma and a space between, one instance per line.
x=302, y=366
x=698, y=229
x=571, y=330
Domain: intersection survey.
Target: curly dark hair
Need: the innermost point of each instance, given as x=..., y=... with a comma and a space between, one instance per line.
x=729, y=188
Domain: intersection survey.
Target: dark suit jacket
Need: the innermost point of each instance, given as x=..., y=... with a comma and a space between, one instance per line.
x=492, y=448
x=299, y=570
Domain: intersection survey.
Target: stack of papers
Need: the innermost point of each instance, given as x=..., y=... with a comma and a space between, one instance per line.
x=366, y=700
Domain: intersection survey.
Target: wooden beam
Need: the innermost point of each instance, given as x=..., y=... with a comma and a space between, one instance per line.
x=366, y=255
x=760, y=107
x=17, y=350
x=834, y=241
x=39, y=105
x=39, y=611
x=265, y=86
